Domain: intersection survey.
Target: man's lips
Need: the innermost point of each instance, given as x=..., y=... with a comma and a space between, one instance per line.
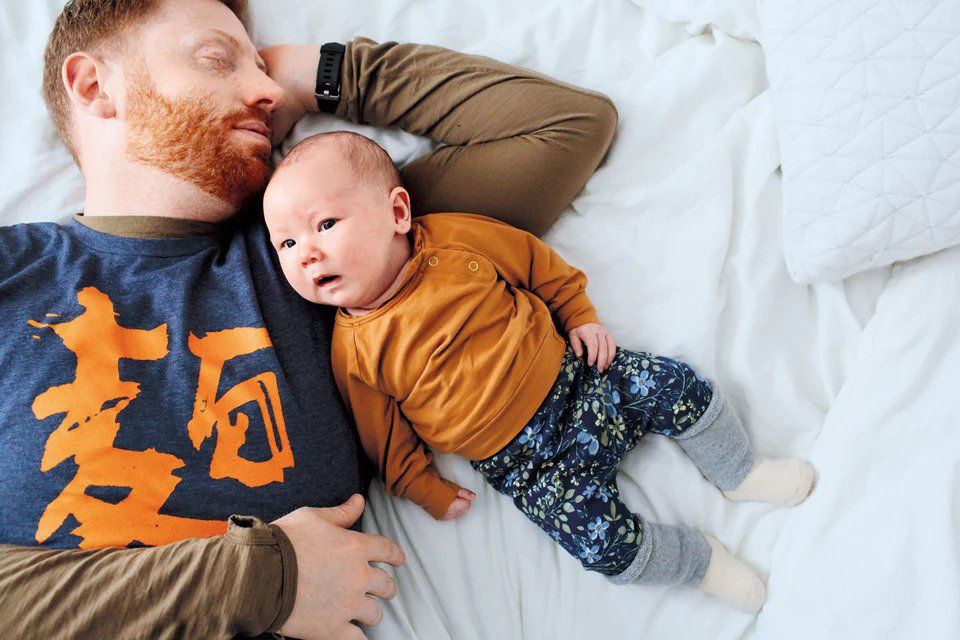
x=256, y=128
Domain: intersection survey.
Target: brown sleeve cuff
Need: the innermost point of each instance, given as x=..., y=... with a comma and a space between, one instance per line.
x=288, y=594
x=272, y=585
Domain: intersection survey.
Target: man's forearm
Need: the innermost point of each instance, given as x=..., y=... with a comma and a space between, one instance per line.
x=240, y=583
x=518, y=145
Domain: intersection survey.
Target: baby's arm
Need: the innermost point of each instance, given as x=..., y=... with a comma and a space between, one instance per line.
x=460, y=505
x=403, y=461
x=563, y=288
x=524, y=260
x=598, y=343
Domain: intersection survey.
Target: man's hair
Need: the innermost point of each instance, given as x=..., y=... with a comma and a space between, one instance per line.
x=91, y=25
x=368, y=159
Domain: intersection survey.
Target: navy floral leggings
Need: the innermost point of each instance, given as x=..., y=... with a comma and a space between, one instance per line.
x=561, y=468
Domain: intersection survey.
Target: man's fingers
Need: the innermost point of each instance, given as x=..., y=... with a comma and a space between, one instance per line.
x=380, y=584
x=343, y=515
x=381, y=549
x=369, y=611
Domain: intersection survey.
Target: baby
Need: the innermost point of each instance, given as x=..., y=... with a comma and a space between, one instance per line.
x=462, y=334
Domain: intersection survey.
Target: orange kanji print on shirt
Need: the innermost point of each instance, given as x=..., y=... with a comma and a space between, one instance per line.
x=92, y=403
x=214, y=350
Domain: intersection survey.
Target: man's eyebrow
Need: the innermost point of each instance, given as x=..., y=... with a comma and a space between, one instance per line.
x=235, y=44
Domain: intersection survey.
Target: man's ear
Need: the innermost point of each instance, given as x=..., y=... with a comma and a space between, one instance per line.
x=400, y=201
x=83, y=77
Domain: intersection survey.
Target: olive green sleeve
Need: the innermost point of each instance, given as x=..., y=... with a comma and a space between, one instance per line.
x=243, y=582
x=517, y=145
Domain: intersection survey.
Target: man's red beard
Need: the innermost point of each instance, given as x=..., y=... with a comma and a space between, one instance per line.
x=185, y=139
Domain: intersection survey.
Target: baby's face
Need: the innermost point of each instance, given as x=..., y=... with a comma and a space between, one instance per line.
x=333, y=236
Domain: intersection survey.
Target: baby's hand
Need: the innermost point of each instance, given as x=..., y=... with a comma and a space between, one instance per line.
x=601, y=347
x=460, y=505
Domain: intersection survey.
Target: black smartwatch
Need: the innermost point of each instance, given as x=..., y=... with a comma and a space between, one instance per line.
x=328, y=76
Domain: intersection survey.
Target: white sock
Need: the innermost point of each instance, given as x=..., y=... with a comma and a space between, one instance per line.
x=731, y=581
x=786, y=481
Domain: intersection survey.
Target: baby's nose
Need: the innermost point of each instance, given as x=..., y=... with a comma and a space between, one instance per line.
x=310, y=256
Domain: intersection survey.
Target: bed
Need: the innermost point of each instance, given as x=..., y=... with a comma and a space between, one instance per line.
x=681, y=233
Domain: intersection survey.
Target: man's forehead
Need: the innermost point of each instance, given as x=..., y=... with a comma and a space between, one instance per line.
x=192, y=19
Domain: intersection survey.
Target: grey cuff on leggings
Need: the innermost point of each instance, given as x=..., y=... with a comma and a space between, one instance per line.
x=667, y=555
x=718, y=444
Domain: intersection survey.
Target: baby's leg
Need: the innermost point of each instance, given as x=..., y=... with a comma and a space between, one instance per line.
x=584, y=514
x=560, y=471
x=717, y=443
x=666, y=396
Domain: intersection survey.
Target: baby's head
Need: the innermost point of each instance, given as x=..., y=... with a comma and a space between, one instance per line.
x=338, y=218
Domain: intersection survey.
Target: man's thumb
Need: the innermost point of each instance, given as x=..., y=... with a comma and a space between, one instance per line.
x=344, y=515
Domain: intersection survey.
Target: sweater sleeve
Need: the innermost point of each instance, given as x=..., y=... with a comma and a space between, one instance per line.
x=516, y=145
x=403, y=461
x=524, y=260
x=243, y=582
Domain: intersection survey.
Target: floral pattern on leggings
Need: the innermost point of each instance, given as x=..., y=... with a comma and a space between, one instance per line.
x=561, y=468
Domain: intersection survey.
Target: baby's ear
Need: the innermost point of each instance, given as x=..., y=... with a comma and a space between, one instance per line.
x=400, y=202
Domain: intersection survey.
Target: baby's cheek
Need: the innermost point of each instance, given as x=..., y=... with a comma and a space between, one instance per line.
x=292, y=275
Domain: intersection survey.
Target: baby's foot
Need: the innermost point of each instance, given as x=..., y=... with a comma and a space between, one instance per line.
x=731, y=581
x=786, y=481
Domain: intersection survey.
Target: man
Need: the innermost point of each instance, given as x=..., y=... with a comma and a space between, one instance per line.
x=157, y=378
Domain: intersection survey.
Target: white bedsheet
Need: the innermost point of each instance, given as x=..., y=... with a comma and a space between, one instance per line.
x=679, y=232
x=874, y=552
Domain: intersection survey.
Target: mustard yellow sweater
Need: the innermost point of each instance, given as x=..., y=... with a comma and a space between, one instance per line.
x=462, y=356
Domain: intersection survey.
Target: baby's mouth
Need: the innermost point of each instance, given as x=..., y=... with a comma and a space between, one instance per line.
x=322, y=281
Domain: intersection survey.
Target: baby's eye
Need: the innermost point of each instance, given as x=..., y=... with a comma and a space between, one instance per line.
x=327, y=224
x=286, y=244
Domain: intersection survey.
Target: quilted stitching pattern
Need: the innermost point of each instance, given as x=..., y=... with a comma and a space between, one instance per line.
x=868, y=114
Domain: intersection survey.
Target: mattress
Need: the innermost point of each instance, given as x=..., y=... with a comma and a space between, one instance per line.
x=679, y=233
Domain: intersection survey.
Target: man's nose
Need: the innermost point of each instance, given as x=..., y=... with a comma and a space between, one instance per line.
x=264, y=93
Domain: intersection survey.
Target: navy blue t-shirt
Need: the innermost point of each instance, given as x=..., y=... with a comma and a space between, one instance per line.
x=149, y=388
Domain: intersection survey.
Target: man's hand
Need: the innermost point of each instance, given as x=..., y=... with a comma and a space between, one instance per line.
x=293, y=67
x=335, y=582
x=600, y=345
x=460, y=505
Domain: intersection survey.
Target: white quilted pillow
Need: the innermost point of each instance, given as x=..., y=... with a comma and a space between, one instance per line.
x=868, y=113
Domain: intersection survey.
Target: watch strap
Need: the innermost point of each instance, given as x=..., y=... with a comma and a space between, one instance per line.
x=328, y=76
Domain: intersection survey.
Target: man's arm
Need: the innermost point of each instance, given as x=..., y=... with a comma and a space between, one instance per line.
x=306, y=575
x=243, y=582
x=518, y=145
